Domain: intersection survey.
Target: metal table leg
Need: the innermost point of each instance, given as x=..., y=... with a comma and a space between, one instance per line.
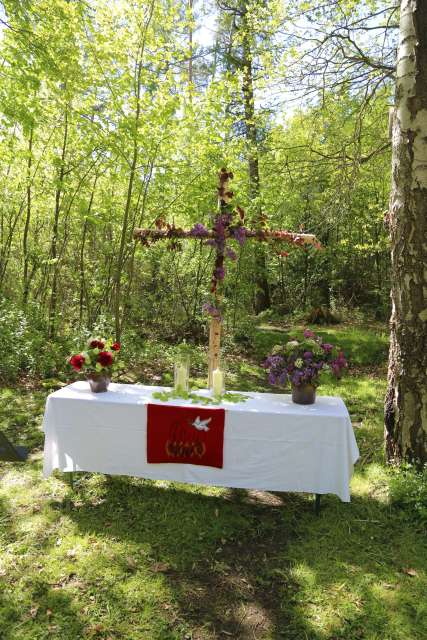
x=317, y=503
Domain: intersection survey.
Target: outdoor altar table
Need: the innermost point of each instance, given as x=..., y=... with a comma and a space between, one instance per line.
x=270, y=443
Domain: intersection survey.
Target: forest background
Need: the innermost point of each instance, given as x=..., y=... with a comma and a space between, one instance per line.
x=116, y=115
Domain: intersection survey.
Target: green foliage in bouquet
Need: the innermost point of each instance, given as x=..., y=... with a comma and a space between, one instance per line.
x=100, y=356
x=303, y=361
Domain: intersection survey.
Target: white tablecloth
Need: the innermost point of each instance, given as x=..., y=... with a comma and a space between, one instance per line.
x=270, y=443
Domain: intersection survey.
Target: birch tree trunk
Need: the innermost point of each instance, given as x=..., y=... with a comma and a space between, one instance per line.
x=406, y=399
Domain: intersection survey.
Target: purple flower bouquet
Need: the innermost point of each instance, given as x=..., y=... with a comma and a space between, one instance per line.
x=301, y=363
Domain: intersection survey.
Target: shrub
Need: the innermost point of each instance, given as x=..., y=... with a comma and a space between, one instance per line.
x=244, y=333
x=24, y=349
x=408, y=491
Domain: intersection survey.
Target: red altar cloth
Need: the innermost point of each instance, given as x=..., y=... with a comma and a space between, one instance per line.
x=185, y=434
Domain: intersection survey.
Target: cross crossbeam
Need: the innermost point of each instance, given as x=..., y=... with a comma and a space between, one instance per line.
x=263, y=235
x=228, y=224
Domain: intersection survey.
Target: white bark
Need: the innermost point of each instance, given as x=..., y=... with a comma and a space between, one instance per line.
x=406, y=401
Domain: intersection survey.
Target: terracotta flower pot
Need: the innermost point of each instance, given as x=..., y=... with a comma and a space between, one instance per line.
x=304, y=394
x=98, y=382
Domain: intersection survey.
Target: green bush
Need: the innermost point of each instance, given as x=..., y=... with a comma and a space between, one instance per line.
x=24, y=349
x=244, y=333
x=408, y=491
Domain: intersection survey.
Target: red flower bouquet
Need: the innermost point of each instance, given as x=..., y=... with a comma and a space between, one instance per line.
x=98, y=361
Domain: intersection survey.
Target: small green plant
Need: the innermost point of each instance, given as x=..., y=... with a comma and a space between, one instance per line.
x=195, y=398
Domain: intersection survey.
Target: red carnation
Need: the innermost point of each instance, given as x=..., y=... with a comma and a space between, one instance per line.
x=77, y=361
x=105, y=358
x=115, y=346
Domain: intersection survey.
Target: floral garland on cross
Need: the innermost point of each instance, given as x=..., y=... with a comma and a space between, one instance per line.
x=228, y=224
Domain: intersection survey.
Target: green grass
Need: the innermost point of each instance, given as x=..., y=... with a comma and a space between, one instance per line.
x=131, y=559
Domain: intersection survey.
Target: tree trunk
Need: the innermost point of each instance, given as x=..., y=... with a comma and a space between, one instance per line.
x=83, y=287
x=124, y=232
x=190, y=49
x=262, y=291
x=118, y=311
x=406, y=400
x=26, y=282
x=55, y=231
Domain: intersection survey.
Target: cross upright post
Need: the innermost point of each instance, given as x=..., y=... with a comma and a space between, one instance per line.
x=228, y=223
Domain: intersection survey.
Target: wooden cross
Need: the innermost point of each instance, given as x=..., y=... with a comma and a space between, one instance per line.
x=228, y=223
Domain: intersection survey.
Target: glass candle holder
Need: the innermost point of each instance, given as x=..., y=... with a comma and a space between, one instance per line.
x=181, y=375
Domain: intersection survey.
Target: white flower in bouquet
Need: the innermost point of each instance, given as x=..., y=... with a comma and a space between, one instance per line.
x=291, y=345
x=299, y=362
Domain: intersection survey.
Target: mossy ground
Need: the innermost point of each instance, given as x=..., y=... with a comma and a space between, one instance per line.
x=131, y=559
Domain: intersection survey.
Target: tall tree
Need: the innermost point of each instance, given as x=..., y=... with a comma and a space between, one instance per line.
x=406, y=400
x=247, y=33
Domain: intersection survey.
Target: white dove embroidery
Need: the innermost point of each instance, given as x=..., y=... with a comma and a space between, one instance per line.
x=201, y=425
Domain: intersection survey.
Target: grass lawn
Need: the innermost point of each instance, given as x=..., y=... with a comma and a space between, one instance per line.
x=132, y=559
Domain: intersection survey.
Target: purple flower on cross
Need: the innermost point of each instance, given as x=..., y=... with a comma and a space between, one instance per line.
x=239, y=234
x=220, y=273
x=211, y=310
x=231, y=254
x=199, y=231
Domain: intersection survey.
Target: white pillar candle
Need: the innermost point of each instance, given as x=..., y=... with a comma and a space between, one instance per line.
x=217, y=382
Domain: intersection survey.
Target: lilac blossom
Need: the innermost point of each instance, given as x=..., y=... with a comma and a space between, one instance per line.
x=309, y=334
x=294, y=362
x=211, y=310
x=199, y=231
x=327, y=347
x=239, y=234
x=231, y=254
x=220, y=273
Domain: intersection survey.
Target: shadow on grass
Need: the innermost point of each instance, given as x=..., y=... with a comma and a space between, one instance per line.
x=41, y=600
x=21, y=413
x=252, y=564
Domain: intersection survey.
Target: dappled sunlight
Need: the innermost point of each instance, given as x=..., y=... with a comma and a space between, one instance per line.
x=304, y=575
x=126, y=557
x=360, y=598
x=203, y=556
x=371, y=480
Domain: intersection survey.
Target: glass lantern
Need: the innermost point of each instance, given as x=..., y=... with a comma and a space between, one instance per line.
x=181, y=375
x=182, y=368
